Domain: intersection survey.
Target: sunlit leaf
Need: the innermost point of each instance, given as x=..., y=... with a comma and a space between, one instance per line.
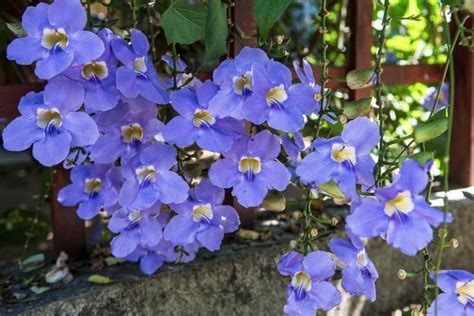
x=267, y=13
x=99, y=279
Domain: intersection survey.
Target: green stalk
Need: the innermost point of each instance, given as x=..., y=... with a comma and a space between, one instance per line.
x=379, y=87
x=89, y=15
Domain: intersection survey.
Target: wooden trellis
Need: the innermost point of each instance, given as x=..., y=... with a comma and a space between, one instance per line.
x=69, y=230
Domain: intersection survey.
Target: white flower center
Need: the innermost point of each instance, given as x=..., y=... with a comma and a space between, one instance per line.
x=134, y=216
x=146, y=174
x=401, y=203
x=139, y=65
x=362, y=258
x=301, y=281
x=53, y=37
x=132, y=132
x=93, y=185
x=250, y=164
x=317, y=97
x=243, y=83
x=276, y=95
x=341, y=153
x=46, y=117
x=95, y=69
x=186, y=80
x=465, y=291
x=203, y=117
x=202, y=212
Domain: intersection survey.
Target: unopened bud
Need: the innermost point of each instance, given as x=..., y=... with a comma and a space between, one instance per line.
x=402, y=274
x=343, y=119
x=293, y=244
x=314, y=232
x=454, y=243
x=334, y=221
x=297, y=215
x=279, y=39
x=442, y=233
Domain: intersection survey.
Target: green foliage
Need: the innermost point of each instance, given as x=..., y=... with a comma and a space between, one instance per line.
x=15, y=222
x=431, y=129
x=357, y=108
x=16, y=29
x=184, y=23
x=267, y=13
x=360, y=78
x=216, y=30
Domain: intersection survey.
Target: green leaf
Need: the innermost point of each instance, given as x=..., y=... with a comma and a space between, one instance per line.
x=430, y=130
x=16, y=29
x=469, y=195
x=422, y=157
x=331, y=189
x=216, y=30
x=39, y=289
x=357, y=108
x=274, y=201
x=360, y=78
x=267, y=13
x=32, y=263
x=99, y=279
x=184, y=23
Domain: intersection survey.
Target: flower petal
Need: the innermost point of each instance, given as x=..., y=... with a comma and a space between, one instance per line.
x=63, y=93
x=326, y=295
x=368, y=218
x=82, y=127
x=264, y=145
x=211, y=238
x=54, y=64
x=52, y=149
x=21, y=133
x=26, y=50
x=71, y=195
x=86, y=45
x=90, y=207
x=172, y=188
x=407, y=234
x=361, y=133
x=35, y=19
x=227, y=218
x=180, y=131
x=139, y=42
x=250, y=193
x=127, y=82
x=224, y=173
x=181, y=230
x=67, y=14
x=275, y=175
x=150, y=263
x=319, y=265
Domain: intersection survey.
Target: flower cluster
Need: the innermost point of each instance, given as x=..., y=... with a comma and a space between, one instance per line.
x=99, y=115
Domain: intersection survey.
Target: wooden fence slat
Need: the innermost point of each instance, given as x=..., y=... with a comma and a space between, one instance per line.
x=360, y=14
x=69, y=230
x=462, y=149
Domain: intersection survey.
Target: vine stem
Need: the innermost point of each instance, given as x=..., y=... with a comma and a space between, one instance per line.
x=134, y=13
x=89, y=15
x=450, y=112
x=379, y=87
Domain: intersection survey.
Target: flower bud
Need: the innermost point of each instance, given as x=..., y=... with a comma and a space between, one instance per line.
x=354, y=109
x=360, y=78
x=314, y=232
x=334, y=221
x=454, y=243
x=402, y=274
x=293, y=244
x=442, y=233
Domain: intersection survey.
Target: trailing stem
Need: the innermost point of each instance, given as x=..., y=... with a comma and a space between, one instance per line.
x=379, y=87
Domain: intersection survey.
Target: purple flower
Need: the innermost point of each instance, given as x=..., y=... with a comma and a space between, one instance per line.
x=251, y=168
x=443, y=98
x=149, y=179
x=135, y=228
x=458, y=296
x=55, y=38
x=234, y=78
x=398, y=212
x=124, y=133
x=359, y=273
x=309, y=290
x=50, y=123
x=196, y=123
x=203, y=218
x=90, y=188
x=152, y=258
x=344, y=159
x=270, y=100
x=137, y=76
x=98, y=77
x=307, y=94
x=293, y=145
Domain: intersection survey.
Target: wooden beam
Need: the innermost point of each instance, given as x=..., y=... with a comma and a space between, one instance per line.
x=360, y=14
x=243, y=17
x=69, y=232
x=10, y=95
x=462, y=149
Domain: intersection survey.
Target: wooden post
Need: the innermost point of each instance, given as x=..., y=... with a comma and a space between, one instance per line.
x=69, y=230
x=242, y=16
x=462, y=149
x=360, y=13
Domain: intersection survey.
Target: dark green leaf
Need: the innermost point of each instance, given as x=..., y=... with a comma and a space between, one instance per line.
x=16, y=29
x=360, y=78
x=357, y=108
x=469, y=195
x=184, y=23
x=216, y=30
x=267, y=13
x=422, y=157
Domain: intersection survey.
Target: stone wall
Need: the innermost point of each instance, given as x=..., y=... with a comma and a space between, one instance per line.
x=242, y=280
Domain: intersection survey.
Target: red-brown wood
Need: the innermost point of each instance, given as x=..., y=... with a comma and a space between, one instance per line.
x=360, y=13
x=69, y=230
x=10, y=95
x=462, y=150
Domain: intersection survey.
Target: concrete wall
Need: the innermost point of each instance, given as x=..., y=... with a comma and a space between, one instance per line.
x=241, y=280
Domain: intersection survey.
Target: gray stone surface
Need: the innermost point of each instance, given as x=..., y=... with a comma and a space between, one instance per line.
x=242, y=280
